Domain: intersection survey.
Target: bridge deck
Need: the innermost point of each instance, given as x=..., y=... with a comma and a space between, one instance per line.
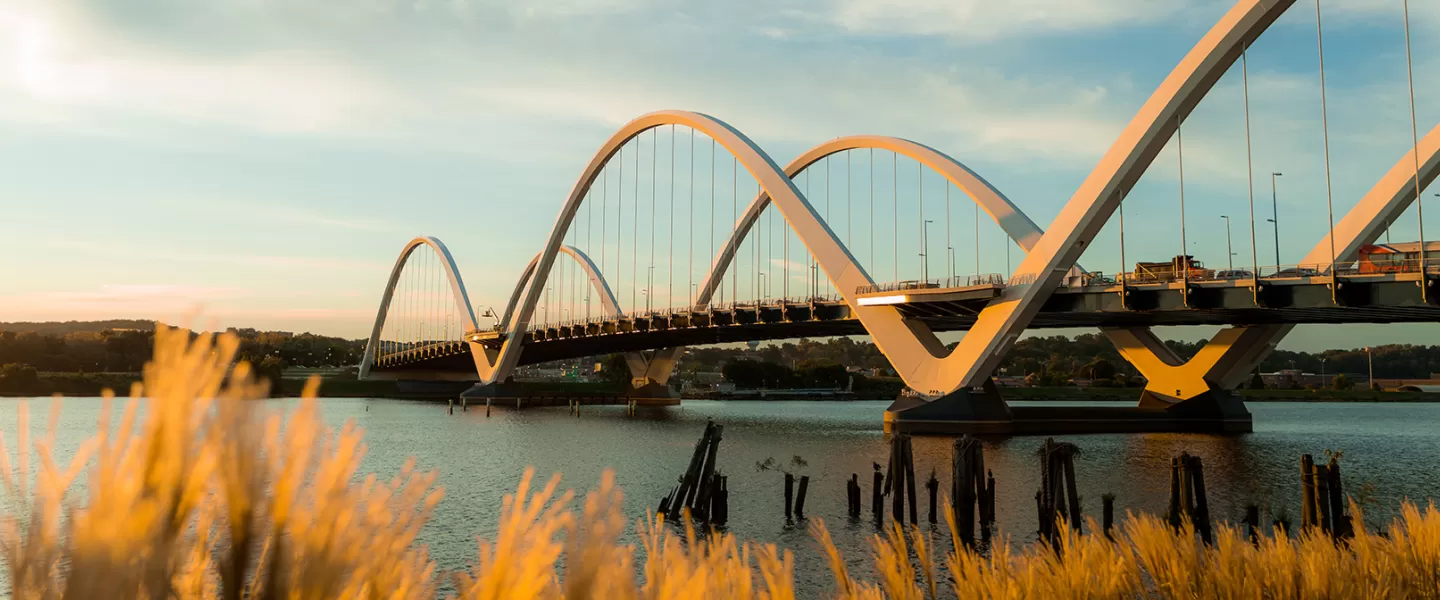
x=1391, y=298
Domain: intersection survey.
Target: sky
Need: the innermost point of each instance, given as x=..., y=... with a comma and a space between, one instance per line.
x=265, y=160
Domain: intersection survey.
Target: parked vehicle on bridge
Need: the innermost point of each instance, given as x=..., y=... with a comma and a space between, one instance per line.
x=1180, y=267
x=1298, y=272
x=1234, y=274
x=1397, y=258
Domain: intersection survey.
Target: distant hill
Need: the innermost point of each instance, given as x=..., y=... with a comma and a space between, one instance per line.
x=62, y=328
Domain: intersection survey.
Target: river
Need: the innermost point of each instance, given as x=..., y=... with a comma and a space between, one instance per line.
x=1390, y=454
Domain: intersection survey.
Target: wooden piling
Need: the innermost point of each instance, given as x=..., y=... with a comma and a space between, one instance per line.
x=896, y=479
x=1107, y=514
x=450, y=406
x=910, y=480
x=962, y=486
x=720, y=514
x=1252, y=523
x=464, y=404
x=1321, y=477
x=1045, y=498
x=989, y=518
x=849, y=498
x=707, y=470
x=487, y=407
x=1307, y=492
x=789, y=494
x=877, y=495
x=1173, y=512
x=1342, y=526
x=800, y=497
x=933, y=486
x=1072, y=496
x=1200, y=515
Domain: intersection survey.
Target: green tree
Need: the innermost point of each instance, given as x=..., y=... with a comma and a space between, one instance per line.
x=1256, y=382
x=18, y=378
x=615, y=370
x=1341, y=382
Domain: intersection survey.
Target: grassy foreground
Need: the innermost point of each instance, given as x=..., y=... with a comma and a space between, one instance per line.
x=210, y=495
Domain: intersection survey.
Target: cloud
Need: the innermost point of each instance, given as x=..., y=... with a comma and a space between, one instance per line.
x=982, y=21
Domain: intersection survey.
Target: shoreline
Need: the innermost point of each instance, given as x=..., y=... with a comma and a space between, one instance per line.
x=93, y=384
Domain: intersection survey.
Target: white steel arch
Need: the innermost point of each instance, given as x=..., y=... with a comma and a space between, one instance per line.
x=609, y=303
x=1014, y=222
x=452, y=273
x=492, y=365
x=918, y=355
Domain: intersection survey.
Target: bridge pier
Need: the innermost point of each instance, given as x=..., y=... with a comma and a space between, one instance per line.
x=982, y=411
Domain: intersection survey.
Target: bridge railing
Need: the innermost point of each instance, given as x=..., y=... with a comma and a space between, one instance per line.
x=958, y=281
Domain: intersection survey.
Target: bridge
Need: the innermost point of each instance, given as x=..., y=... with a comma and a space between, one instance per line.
x=568, y=305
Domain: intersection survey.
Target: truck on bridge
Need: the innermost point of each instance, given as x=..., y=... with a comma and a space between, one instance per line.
x=1180, y=267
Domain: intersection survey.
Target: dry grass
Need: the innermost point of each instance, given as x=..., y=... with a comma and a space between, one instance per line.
x=208, y=494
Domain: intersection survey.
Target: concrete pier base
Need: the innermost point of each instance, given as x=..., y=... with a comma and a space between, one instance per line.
x=983, y=412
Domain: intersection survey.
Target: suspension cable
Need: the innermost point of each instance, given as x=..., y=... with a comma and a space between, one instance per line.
x=712, y=216
x=690, y=261
x=1249, y=162
x=735, y=216
x=1180, y=152
x=1325, y=130
x=670, y=234
x=654, y=167
x=635, y=236
x=1415, y=152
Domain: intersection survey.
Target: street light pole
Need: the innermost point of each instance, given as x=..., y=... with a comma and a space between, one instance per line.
x=925, y=251
x=1229, y=253
x=1275, y=212
x=1370, y=360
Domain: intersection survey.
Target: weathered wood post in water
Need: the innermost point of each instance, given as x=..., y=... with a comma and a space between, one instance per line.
x=1322, y=497
x=1057, y=484
x=487, y=407
x=910, y=480
x=1187, y=495
x=1252, y=523
x=800, y=497
x=450, y=406
x=895, y=479
x=853, y=495
x=1307, y=492
x=789, y=494
x=968, y=487
x=877, y=494
x=1341, y=523
x=932, y=486
x=700, y=488
x=1107, y=514
x=464, y=404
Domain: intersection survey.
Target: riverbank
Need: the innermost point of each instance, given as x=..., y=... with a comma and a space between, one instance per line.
x=93, y=384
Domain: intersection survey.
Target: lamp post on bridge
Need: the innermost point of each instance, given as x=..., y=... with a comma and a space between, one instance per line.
x=1370, y=362
x=1275, y=214
x=925, y=252
x=1229, y=251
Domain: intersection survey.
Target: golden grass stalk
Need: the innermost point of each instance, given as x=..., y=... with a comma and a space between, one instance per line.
x=206, y=493
x=210, y=494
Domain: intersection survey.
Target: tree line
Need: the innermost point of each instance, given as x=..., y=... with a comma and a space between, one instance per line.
x=70, y=348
